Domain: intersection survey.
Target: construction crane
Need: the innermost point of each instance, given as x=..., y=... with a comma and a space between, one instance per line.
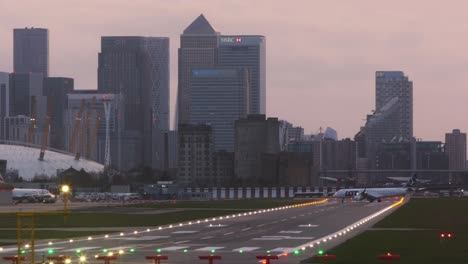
x=92, y=140
x=45, y=131
x=76, y=128
x=32, y=125
x=84, y=132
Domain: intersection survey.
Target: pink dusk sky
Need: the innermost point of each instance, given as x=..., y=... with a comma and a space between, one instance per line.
x=321, y=55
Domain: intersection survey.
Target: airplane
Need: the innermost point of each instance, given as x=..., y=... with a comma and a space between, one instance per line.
x=373, y=194
x=33, y=196
x=405, y=179
x=29, y=195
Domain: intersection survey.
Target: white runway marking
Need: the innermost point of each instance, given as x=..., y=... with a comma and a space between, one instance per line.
x=290, y=232
x=229, y=233
x=268, y=238
x=173, y=248
x=180, y=242
x=82, y=249
x=294, y=217
x=281, y=249
x=245, y=229
x=246, y=249
x=308, y=225
x=143, y=238
x=184, y=232
x=208, y=248
x=12, y=249
x=206, y=238
x=276, y=238
x=261, y=225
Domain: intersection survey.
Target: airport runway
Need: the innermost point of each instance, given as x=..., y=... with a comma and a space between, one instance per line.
x=236, y=239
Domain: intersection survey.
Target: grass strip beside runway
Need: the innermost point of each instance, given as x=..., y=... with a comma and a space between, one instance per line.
x=222, y=204
x=53, y=234
x=115, y=220
x=413, y=232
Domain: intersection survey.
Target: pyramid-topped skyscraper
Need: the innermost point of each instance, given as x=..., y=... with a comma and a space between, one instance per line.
x=200, y=26
x=198, y=45
x=203, y=47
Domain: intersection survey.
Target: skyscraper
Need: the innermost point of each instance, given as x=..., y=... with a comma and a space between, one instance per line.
x=202, y=47
x=198, y=48
x=27, y=102
x=219, y=97
x=392, y=120
x=26, y=95
x=247, y=52
x=455, y=147
x=56, y=90
x=391, y=85
x=4, y=101
x=138, y=69
x=31, y=50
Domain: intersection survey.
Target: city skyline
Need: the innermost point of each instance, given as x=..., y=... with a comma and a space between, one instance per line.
x=331, y=67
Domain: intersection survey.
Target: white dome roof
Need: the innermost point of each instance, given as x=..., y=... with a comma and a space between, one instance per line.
x=26, y=161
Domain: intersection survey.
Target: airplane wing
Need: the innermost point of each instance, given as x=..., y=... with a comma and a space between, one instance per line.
x=371, y=196
x=329, y=179
x=405, y=179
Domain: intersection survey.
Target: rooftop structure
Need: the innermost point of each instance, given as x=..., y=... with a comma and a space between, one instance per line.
x=25, y=160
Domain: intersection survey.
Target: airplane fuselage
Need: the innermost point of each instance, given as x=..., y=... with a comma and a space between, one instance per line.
x=378, y=193
x=33, y=195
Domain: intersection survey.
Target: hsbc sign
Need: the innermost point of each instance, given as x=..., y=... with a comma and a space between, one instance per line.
x=231, y=39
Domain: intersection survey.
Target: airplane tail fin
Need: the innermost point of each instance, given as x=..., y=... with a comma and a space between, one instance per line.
x=412, y=181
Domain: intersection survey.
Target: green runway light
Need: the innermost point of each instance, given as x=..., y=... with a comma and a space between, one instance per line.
x=105, y=250
x=241, y=251
x=213, y=251
x=158, y=250
x=185, y=250
x=50, y=251
x=320, y=252
x=132, y=250
x=23, y=251
x=296, y=252
x=268, y=251
x=78, y=251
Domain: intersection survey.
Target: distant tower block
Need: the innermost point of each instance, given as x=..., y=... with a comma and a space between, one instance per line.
x=107, y=111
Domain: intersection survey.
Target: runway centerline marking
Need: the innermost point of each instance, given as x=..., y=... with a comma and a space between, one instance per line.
x=308, y=225
x=208, y=248
x=245, y=229
x=261, y=225
x=180, y=242
x=184, y=232
x=228, y=233
x=290, y=232
x=208, y=237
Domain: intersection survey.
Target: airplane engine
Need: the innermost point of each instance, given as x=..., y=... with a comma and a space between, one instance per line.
x=358, y=197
